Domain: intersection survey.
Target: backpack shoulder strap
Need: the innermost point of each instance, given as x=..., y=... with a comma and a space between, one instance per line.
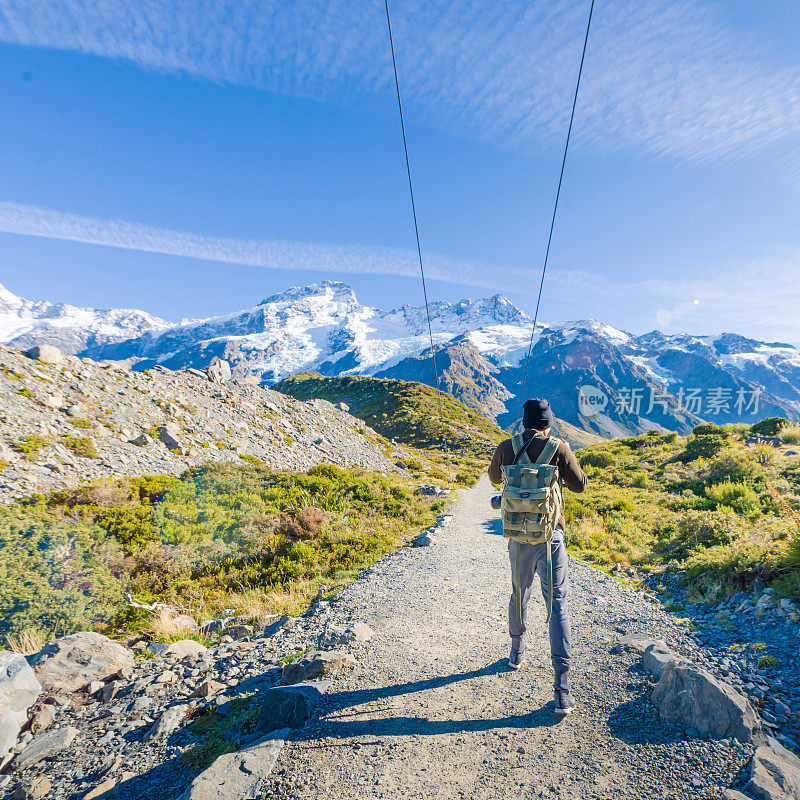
x=549, y=450
x=520, y=447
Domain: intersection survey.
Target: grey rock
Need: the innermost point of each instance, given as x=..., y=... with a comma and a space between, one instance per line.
x=238, y=631
x=656, y=657
x=43, y=718
x=334, y=636
x=46, y=353
x=239, y=776
x=219, y=370
x=289, y=706
x=73, y=661
x=142, y=440
x=732, y=794
x=635, y=643
x=284, y=623
x=167, y=723
x=185, y=647
x=774, y=773
x=318, y=664
x=157, y=648
x=168, y=434
x=19, y=689
x=45, y=745
x=692, y=698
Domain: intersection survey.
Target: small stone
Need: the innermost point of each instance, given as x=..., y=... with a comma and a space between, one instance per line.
x=209, y=688
x=43, y=718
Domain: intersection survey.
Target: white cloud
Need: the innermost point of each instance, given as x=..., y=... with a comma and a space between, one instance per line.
x=271, y=254
x=664, y=77
x=756, y=299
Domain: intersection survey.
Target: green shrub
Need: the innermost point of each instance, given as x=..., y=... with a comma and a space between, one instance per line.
x=705, y=445
x=25, y=391
x=689, y=531
x=596, y=458
x=736, y=466
x=80, y=445
x=708, y=429
x=772, y=426
x=623, y=505
x=254, y=460
x=30, y=445
x=738, y=496
x=55, y=577
x=79, y=422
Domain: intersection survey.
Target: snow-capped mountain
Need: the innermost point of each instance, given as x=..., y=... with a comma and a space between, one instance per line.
x=24, y=323
x=597, y=377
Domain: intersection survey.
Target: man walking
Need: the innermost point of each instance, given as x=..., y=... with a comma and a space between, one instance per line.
x=528, y=560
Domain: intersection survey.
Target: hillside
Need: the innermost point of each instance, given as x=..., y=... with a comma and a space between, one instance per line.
x=407, y=412
x=79, y=420
x=721, y=514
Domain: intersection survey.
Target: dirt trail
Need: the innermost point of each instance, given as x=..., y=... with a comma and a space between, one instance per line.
x=431, y=709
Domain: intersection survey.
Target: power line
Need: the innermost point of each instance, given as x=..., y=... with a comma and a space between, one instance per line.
x=411, y=190
x=555, y=209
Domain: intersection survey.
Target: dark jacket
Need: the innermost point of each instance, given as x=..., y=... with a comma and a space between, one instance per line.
x=568, y=467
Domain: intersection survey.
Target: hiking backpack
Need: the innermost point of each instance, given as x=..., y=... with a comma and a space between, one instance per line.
x=531, y=503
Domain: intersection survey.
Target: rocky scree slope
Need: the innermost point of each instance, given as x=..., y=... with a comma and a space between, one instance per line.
x=65, y=419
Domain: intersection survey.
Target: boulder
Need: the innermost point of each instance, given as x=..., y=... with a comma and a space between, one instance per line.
x=70, y=663
x=732, y=794
x=657, y=655
x=289, y=706
x=774, y=773
x=168, y=434
x=219, y=370
x=694, y=700
x=282, y=624
x=19, y=689
x=334, y=636
x=46, y=353
x=142, y=440
x=44, y=745
x=636, y=643
x=238, y=631
x=185, y=647
x=167, y=723
x=239, y=776
x=318, y=664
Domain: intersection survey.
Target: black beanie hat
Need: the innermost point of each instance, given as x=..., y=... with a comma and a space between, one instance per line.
x=537, y=414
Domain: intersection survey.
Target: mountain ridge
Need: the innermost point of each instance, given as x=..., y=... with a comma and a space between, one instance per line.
x=481, y=343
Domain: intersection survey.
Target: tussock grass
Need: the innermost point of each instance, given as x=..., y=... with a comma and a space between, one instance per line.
x=708, y=505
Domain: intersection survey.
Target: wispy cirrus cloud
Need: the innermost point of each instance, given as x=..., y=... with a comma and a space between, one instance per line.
x=268, y=253
x=758, y=299
x=663, y=77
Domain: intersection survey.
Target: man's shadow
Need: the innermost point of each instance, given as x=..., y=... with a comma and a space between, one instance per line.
x=350, y=725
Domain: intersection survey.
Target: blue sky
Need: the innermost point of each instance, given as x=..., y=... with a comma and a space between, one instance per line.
x=263, y=137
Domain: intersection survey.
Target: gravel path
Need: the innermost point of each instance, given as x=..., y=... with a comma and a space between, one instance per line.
x=431, y=710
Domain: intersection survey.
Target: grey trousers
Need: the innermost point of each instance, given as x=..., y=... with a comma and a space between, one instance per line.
x=528, y=560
